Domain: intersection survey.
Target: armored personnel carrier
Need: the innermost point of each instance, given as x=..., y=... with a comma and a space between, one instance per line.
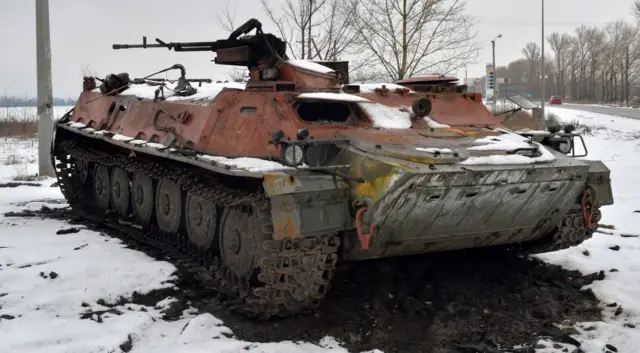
x=271, y=182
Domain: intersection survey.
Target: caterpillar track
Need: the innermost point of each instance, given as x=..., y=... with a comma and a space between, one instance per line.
x=226, y=240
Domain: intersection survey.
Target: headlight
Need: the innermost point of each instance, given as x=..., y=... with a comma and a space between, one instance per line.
x=292, y=155
x=565, y=145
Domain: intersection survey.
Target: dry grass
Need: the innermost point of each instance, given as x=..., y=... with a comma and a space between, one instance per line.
x=521, y=120
x=18, y=122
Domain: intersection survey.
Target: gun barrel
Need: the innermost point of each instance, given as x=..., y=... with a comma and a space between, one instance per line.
x=177, y=46
x=135, y=46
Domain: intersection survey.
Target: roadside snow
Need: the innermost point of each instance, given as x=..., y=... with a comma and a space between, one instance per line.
x=341, y=97
x=614, y=140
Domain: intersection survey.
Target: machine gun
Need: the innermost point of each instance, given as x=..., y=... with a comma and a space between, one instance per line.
x=248, y=50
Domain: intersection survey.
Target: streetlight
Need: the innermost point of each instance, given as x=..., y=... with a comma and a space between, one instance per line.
x=495, y=73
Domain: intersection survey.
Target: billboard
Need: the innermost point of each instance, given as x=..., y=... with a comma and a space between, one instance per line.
x=490, y=81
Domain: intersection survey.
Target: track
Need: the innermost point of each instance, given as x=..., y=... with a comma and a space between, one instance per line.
x=255, y=275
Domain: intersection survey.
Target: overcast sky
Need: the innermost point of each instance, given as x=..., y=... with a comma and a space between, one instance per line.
x=82, y=32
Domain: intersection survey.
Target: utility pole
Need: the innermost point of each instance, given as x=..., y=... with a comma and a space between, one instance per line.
x=495, y=73
x=45, y=94
x=542, y=74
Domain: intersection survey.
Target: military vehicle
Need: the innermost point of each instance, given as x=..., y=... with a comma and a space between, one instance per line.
x=272, y=182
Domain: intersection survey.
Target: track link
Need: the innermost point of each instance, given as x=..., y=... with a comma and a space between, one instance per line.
x=287, y=276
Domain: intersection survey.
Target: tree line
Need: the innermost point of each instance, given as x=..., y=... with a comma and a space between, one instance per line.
x=13, y=101
x=591, y=63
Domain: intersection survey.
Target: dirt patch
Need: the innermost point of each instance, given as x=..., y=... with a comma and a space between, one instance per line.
x=432, y=303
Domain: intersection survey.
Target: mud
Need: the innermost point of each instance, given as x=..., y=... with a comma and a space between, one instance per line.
x=434, y=303
x=16, y=184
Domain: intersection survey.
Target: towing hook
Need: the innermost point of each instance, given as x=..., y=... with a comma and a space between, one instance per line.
x=363, y=235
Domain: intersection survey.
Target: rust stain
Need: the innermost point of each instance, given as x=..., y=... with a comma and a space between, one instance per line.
x=285, y=230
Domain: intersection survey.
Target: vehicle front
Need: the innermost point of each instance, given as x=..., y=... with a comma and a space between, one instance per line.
x=434, y=170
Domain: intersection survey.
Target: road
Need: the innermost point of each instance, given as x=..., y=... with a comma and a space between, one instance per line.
x=625, y=112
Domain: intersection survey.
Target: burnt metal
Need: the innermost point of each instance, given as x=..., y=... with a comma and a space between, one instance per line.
x=114, y=84
x=421, y=107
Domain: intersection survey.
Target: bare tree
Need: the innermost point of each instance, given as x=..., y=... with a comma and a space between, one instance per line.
x=226, y=17
x=296, y=23
x=88, y=71
x=409, y=37
x=517, y=71
x=635, y=9
x=560, y=44
x=596, y=43
x=531, y=52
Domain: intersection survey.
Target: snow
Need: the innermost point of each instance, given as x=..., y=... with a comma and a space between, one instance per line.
x=47, y=310
x=343, y=97
x=434, y=124
x=48, y=281
x=77, y=125
x=434, y=150
x=207, y=91
x=308, y=65
x=246, y=163
x=504, y=143
x=371, y=87
x=615, y=141
x=119, y=137
x=386, y=117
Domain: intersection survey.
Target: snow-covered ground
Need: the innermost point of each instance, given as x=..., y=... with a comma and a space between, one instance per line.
x=29, y=113
x=615, y=141
x=57, y=291
x=49, y=281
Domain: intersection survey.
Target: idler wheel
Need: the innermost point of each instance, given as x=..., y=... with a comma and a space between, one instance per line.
x=421, y=107
x=168, y=206
x=200, y=220
x=101, y=187
x=240, y=237
x=142, y=197
x=120, y=194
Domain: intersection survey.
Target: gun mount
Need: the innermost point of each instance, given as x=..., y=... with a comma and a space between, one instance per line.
x=264, y=54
